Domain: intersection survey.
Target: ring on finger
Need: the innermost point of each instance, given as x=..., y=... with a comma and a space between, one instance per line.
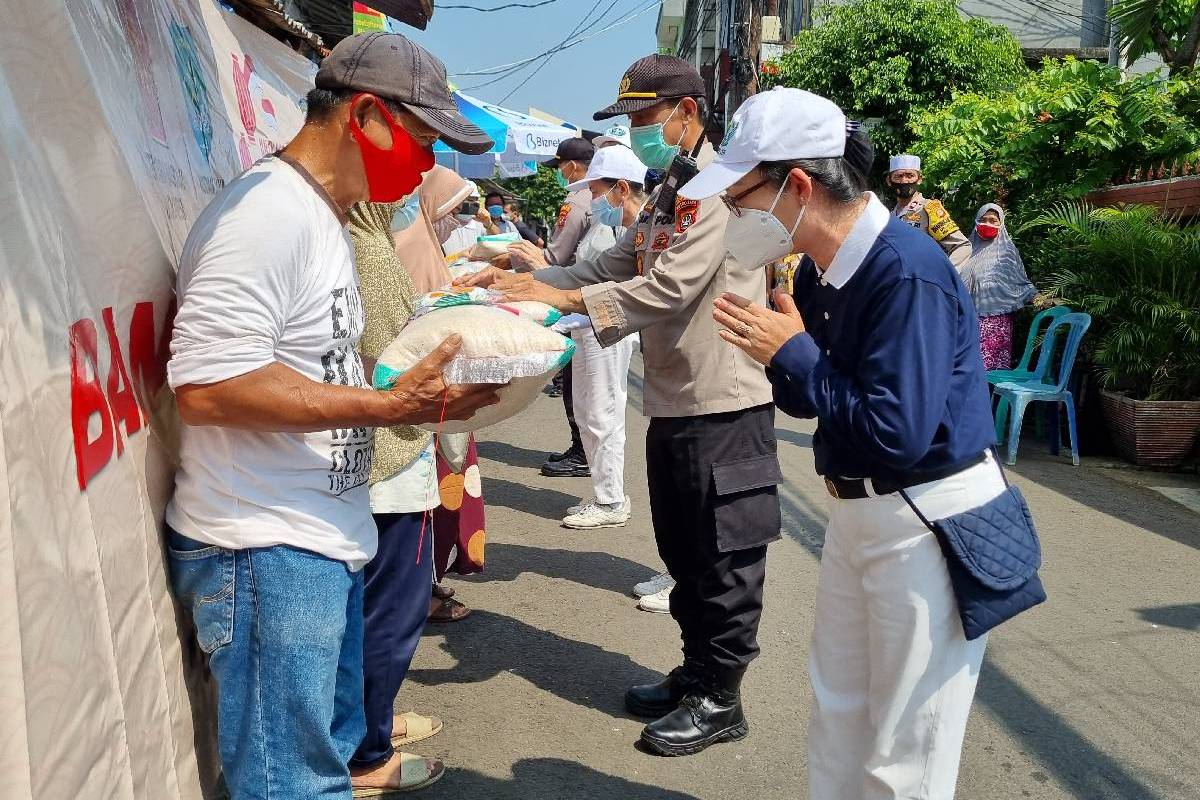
x=746, y=331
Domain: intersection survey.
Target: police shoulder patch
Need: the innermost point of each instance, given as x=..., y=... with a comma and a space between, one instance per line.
x=639, y=239
x=940, y=223
x=563, y=212
x=662, y=240
x=687, y=214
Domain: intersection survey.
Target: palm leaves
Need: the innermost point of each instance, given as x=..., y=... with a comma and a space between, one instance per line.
x=1170, y=28
x=1138, y=274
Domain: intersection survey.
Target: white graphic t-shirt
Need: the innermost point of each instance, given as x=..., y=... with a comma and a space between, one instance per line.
x=267, y=274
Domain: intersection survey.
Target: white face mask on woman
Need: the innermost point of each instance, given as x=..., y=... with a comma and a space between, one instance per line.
x=755, y=237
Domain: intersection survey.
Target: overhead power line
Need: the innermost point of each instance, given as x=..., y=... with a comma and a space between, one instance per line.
x=498, y=8
x=507, y=67
x=551, y=56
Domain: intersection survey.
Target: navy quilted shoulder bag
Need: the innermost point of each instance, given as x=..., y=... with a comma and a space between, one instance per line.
x=993, y=554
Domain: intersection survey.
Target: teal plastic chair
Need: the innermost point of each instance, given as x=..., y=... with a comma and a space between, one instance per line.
x=1022, y=373
x=1042, y=388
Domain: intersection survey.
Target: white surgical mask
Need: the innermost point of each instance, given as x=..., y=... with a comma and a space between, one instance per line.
x=758, y=237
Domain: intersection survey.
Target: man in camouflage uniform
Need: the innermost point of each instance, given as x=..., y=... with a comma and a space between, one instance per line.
x=904, y=177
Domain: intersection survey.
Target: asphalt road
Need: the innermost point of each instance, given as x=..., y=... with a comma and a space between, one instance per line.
x=1092, y=695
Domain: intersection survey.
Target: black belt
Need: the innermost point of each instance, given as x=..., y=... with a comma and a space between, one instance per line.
x=856, y=488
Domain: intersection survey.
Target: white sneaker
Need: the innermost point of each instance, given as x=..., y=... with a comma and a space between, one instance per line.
x=653, y=586
x=594, y=515
x=657, y=603
x=580, y=506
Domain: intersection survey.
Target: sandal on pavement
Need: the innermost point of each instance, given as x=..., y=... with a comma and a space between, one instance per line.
x=442, y=592
x=447, y=611
x=417, y=728
x=403, y=772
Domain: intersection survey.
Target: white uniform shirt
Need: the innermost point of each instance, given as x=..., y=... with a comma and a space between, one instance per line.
x=267, y=274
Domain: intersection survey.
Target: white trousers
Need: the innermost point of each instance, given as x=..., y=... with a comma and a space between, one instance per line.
x=600, y=387
x=893, y=676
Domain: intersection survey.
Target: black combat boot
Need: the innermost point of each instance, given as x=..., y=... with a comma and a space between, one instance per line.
x=710, y=714
x=659, y=699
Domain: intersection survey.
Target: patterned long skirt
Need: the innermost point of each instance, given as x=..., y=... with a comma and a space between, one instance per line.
x=995, y=341
x=458, y=530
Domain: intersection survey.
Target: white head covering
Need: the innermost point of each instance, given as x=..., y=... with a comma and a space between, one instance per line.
x=617, y=134
x=904, y=161
x=778, y=125
x=995, y=274
x=616, y=162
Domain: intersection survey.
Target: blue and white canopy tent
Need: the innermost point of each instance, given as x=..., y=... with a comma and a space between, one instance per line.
x=521, y=141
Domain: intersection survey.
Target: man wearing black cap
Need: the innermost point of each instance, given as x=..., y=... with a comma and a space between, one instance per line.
x=270, y=528
x=710, y=449
x=574, y=218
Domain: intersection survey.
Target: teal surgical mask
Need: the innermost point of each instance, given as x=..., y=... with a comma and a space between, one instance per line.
x=651, y=148
x=605, y=212
x=560, y=179
x=407, y=213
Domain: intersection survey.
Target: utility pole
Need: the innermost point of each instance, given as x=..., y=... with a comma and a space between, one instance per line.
x=745, y=40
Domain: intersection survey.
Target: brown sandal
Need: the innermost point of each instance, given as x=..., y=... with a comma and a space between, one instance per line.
x=447, y=611
x=442, y=592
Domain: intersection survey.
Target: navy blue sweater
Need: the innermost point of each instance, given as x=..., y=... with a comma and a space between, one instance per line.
x=889, y=365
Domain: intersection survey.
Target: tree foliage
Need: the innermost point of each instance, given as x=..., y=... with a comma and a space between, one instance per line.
x=1138, y=275
x=540, y=194
x=892, y=59
x=1062, y=132
x=1168, y=28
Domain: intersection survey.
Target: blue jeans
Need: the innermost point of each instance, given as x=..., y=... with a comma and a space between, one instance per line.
x=395, y=607
x=283, y=631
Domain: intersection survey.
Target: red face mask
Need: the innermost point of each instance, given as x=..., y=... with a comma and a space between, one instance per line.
x=987, y=231
x=391, y=174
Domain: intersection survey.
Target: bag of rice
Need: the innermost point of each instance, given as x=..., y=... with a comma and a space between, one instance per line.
x=488, y=247
x=501, y=344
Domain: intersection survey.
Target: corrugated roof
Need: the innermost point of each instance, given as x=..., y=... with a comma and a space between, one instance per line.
x=273, y=14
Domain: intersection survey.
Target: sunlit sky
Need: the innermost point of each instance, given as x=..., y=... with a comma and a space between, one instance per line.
x=574, y=83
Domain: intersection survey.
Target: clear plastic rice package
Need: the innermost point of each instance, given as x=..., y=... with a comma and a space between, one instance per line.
x=464, y=266
x=501, y=344
x=488, y=247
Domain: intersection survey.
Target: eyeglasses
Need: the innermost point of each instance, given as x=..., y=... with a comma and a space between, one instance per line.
x=732, y=202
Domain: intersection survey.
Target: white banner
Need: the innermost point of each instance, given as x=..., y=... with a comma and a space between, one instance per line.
x=119, y=120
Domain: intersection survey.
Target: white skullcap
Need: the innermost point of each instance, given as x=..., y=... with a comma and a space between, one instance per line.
x=904, y=161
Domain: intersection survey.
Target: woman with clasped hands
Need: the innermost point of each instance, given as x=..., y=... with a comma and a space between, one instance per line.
x=882, y=349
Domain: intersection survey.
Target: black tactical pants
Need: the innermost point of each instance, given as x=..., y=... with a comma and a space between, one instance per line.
x=715, y=505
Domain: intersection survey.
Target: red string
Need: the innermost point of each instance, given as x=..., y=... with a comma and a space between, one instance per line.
x=429, y=512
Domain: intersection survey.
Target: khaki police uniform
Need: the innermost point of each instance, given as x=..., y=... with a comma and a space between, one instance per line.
x=711, y=448
x=574, y=219
x=933, y=218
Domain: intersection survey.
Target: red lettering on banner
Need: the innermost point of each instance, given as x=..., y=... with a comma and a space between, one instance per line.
x=130, y=391
x=121, y=402
x=87, y=400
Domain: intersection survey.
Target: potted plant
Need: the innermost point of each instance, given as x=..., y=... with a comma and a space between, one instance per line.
x=1137, y=273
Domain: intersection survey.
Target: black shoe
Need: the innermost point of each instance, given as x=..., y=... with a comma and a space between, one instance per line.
x=572, y=467
x=553, y=391
x=707, y=716
x=659, y=699
x=565, y=454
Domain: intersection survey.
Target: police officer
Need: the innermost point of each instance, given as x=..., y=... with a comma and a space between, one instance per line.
x=710, y=449
x=904, y=177
x=575, y=215
x=574, y=218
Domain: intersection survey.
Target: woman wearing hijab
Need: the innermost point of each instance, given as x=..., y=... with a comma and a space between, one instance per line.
x=429, y=220
x=458, y=519
x=995, y=276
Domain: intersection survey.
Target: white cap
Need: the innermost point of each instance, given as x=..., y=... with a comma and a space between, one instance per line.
x=474, y=190
x=613, y=163
x=617, y=134
x=904, y=161
x=780, y=125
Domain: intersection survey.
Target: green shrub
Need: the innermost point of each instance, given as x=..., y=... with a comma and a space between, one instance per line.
x=1138, y=274
x=889, y=60
x=1065, y=130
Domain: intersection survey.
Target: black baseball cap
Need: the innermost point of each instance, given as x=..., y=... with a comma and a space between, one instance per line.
x=651, y=80
x=389, y=65
x=573, y=149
